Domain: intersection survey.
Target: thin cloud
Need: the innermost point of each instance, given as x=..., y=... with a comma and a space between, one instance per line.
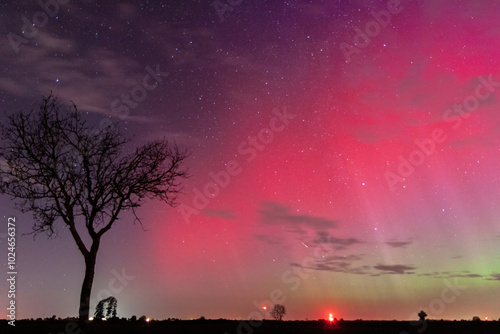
x=398, y=244
x=267, y=239
x=450, y=274
x=493, y=277
x=333, y=258
x=324, y=237
x=395, y=268
x=336, y=267
x=273, y=213
x=337, y=264
x=471, y=275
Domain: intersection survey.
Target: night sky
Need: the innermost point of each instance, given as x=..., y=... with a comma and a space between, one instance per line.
x=344, y=154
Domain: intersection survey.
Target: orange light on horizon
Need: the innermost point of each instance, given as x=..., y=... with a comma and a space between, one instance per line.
x=330, y=317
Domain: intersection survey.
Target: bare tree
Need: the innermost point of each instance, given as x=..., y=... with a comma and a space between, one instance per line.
x=55, y=165
x=278, y=312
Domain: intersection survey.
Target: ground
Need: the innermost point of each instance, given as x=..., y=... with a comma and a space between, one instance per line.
x=258, y=327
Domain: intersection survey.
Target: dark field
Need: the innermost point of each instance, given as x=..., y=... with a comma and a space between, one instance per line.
x=246, y=327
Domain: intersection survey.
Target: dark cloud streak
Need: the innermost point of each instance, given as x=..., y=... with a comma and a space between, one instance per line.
x=395, y=268
x=398, y=244
x=274, y=213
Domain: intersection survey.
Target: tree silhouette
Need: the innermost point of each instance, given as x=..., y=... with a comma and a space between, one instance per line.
x=106, y=308
x=422, y=315
x=99, y=310
x=111, y=308
x=55, y=165
x=278, y=312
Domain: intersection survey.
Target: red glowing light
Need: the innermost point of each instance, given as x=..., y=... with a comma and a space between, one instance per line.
x=264, y=307
x=330, y=317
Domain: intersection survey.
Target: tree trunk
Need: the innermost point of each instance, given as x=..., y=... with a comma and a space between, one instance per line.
x=88, y=280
